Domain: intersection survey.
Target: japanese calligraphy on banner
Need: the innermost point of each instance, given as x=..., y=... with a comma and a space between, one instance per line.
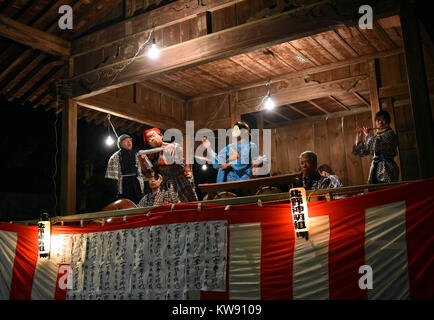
x=299, y=209
x=156, y=262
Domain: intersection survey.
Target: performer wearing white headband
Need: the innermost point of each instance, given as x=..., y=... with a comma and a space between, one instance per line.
x=234, y=162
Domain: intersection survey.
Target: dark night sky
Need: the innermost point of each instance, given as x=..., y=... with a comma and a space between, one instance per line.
x=27, y=141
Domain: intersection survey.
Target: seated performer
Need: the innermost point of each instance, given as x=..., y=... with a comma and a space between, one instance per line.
x=234, y=162
x=177, y=178
x=155, y=196
x=123, y=172
x=310, y=178
x=382, y=146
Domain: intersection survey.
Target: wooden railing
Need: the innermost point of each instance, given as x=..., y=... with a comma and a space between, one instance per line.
x=264, y=199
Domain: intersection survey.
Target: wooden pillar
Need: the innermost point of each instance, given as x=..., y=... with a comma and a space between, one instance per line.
x=69, y=143
x=391, y=110
x=235, y=113
x=69, y=158
x=260, y=123
x=373, y=89
x=419, y=95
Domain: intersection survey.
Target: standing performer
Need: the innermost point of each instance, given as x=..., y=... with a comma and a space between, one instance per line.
x=382, y=146
x=123, y=172
x=234, y=162
x=169, y=163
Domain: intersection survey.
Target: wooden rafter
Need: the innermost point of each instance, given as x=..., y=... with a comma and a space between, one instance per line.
x=280, y=114
x=129, y=110
x=339, y=103
x=316, y=105
x=42, y=86
x=33, y=64
x=32, y=37
x=298, y=110
x=361, y=98
x=42, y=71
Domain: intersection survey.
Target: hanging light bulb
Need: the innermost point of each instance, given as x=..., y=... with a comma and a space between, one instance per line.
x=153, y=51
x=109, y=141
x=204, y=167
x=269, y=103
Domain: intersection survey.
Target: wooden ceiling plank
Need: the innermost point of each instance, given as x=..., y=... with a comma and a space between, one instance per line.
x=334, y=44
x=339, y=103
x=280, y=114
x=303, y=72
x=361, y=98
x=35, y=75
x=356, y=40
x=316, y=105
x=33, y=37
x=159, y=18
x=101, y=14
x=27, y=70
x=164, y=90
x=42, y=85
x=14, y=65
x=298, y=110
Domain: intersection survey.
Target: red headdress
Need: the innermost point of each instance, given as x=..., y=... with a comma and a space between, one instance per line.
x=149, y=130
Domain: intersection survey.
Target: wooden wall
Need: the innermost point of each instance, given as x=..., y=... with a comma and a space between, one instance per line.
x=332, y=140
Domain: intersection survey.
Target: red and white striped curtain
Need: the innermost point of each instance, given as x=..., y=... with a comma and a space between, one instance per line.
x=243, y=252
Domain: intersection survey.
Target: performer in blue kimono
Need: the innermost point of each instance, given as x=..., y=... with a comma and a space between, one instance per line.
x=234, y=162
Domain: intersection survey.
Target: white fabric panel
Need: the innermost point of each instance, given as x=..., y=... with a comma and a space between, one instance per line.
x=44, y=280
x=386, y=251
x=245, y=261
x=310, y=271
x=8, y=243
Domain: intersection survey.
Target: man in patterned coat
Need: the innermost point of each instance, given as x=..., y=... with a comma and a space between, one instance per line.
x=123, y=172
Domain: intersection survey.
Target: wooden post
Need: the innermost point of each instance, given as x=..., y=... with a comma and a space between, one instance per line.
x=235, y=114
x=373, y=89
x=419, y=95
x=260, y=123
x=391, y=110
x=69, y=145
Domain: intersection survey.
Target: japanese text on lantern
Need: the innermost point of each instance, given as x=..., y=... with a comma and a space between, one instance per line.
x=299, y=209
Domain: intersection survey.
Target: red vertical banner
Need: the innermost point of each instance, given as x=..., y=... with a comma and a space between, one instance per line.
x=26, y=257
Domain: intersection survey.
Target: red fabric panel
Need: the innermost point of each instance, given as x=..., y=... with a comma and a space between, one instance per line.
x=26, y=257
x=277, y=254
x=420, y=239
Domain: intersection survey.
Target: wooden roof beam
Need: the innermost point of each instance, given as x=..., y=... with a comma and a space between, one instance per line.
x=33, y=37
x=129, y=110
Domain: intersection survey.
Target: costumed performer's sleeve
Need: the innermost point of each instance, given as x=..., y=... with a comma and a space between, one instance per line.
x=361, y=149
x=112, y=177
x=247, y=149
x=218, y=159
